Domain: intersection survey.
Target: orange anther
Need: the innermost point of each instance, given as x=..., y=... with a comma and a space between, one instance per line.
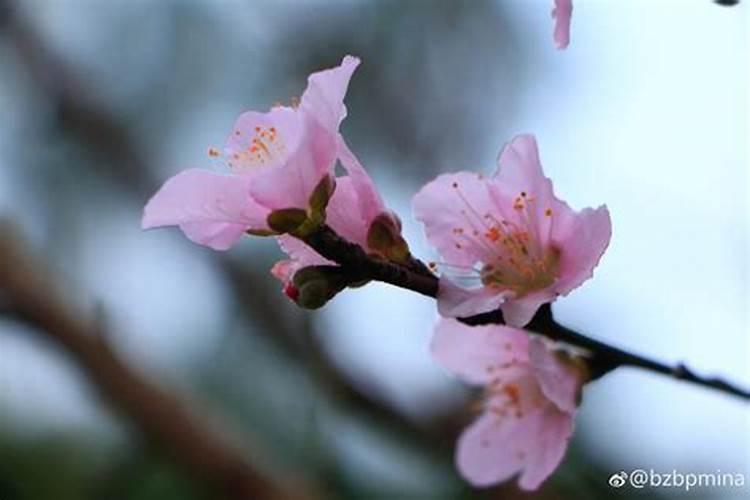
x=493, y=234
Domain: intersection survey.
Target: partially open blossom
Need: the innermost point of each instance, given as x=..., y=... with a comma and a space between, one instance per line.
x=356, y=212
x=276, y=160
x=507, y=241
x=562, y=11
x=532, y=393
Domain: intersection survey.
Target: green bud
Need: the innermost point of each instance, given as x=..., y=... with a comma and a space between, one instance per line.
x=384, y=236
x=317, y=285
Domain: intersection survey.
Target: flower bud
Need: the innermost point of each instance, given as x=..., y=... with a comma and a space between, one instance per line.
x=316, y=285
x=384, y=237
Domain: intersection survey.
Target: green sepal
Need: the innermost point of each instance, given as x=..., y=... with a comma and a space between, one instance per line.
x=286, y=220
x=261, y=232
x=320, y=197
x=299, y=222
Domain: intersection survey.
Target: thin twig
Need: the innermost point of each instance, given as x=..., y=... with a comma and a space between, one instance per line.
x=603, y=357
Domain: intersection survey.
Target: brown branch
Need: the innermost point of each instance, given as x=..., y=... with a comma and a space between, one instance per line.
x=359, y=266
x=603, y=357
x=30, y=295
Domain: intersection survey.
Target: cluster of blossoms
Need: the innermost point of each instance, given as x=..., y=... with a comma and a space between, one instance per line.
x=505, y=242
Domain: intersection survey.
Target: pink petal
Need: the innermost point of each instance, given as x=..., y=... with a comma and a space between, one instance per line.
x=582, y=239
x=519, y=165
x=479, y=354
x=307, y=139
x=561, y=13
x=368, y=199
x=212, y=209
x=485, y=453
x=455, y=301
x=264, y=140
x=290, y=184
x=215, y=236
x=284, y=270
x=518, y=312
x=344, y=213
x=300, y=253
x=547, y=447
x=496, y=447
x=519, y=170
x=452, y=208
x=501, y=443
x=324, y=96
x=559, y=381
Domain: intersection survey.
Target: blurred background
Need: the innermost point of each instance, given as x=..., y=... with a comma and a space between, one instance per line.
x=647, y=111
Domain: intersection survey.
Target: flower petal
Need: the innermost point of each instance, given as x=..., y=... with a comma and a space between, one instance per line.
x=212, y=209
x=452, y=208
x=284, y=270
x=582, y=239
x=498, y=445
x=559, y=381
x=480, y=354
x=215, y=236
x=264, y=140
x=368, y=199
x=300, y=253
x=291, y=184
x=483, y=452
x=455, y=301
x=546, y=447
x=519, y=170
x=324, y=96
x=561, y=13
x=519, y=165
x=344, y=212
x=295, y=168
x=518, y=312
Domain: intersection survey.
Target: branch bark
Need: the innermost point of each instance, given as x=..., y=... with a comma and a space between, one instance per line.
x=603, y=357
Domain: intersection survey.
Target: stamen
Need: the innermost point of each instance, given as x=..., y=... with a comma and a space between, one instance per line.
x=517, y=258
x=263, y=148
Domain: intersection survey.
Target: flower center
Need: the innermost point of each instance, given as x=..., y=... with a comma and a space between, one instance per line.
x=517, y=257
x=513, y=398
x=520, y=265
x=264, y=147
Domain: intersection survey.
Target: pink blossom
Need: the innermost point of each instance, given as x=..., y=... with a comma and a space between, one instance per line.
x=351, y=212
x=562, y=11
x=275, y=161
x=532, y=395
x=506, y=240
